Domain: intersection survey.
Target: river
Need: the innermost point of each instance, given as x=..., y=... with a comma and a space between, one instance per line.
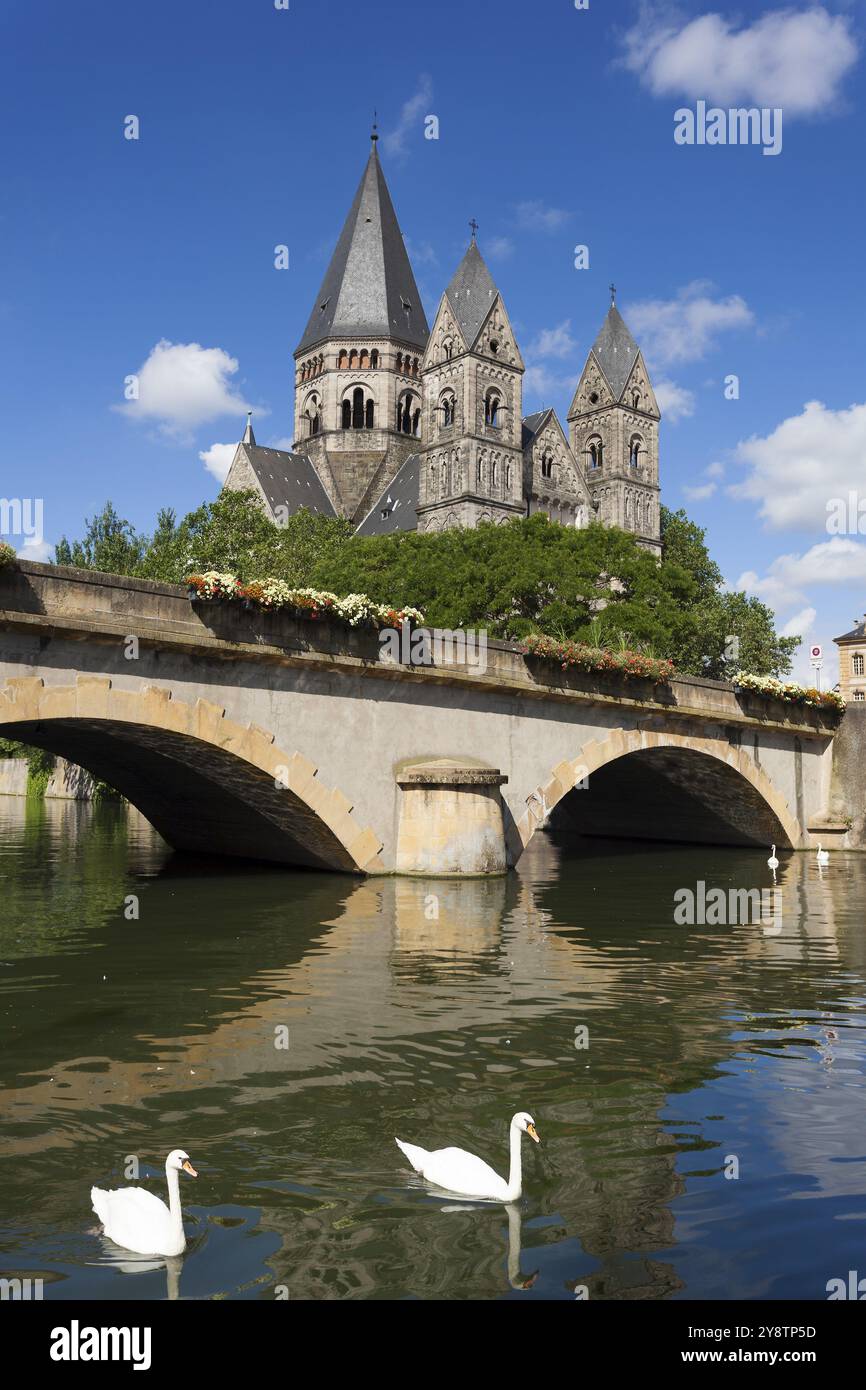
x=699, y=1090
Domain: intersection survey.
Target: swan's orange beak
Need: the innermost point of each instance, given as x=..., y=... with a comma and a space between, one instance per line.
x=533, y=1133
x=188, y=1168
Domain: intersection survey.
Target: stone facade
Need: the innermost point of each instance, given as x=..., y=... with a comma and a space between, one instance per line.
x=852, y=664
x=385, y=408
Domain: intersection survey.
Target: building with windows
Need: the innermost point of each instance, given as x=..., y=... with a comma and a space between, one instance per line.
x=398, y=426
x=852, y=664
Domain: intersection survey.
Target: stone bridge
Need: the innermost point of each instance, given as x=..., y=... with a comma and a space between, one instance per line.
x=238, y=732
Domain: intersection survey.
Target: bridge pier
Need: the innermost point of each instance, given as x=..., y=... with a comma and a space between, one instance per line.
x=450, y=820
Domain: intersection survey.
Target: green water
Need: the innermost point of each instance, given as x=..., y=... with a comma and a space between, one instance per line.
x=707, y=1044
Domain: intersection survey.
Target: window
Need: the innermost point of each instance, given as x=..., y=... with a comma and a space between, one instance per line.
x=347, y=415
x=408, y=414
x=635, y=400
x=494, y=473
x=342, y=360
x=374, y=357
x=357, y=408
x=593, y=398
x=595, y=449
x=858, y=664
x=634, y=449
x=860, y=694
x=446, y=411
x=546, y=466
x=492, y=404
x=369, y=412
x=494, y=346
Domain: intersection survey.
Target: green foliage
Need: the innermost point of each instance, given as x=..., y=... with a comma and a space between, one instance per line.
x=595, y=585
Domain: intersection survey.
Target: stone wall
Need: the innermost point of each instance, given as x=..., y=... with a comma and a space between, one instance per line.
x=66, y=783
x=847, y=797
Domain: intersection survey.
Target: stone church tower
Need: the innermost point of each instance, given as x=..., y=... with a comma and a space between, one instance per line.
x=398, y=428
x=614, y=428
x=357, y=379
x=472, y=465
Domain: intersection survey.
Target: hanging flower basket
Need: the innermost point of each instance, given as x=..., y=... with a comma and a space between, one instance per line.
x=791, y=692
x=579, y=656
x=274, y=595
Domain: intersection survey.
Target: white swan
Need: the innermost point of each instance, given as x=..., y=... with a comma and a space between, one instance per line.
x=773, y=862
x=455, y=1170
x=822, y=856
x=134, y=1218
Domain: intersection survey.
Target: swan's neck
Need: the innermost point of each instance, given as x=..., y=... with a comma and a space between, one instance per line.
x=515, y=1171
x=172, y=1177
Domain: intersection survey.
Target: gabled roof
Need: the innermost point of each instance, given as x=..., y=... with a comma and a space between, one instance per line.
x=471, y=293
x=369, y=282
x=394, y=510
x=857, y=634
x=615, y=350
x=288, y=480
x=533, y=423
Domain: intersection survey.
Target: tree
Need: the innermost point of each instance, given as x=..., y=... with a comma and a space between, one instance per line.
x=110, y=544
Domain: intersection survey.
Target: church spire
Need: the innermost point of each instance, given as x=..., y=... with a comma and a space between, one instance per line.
x=369, y=290
x=249, y=437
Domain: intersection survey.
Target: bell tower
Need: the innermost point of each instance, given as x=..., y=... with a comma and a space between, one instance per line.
x=614, y=431
x=358, y=364
x=472, y=372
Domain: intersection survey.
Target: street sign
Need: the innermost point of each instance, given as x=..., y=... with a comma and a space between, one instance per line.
x=816, y=655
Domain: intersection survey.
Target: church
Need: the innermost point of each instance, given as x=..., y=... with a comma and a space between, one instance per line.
x=398, y=427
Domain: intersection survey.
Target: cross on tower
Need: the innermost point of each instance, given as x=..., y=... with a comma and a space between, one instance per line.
x=612, y=289
x=474, y=225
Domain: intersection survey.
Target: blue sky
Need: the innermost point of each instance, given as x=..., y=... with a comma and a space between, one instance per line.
x=555, y=129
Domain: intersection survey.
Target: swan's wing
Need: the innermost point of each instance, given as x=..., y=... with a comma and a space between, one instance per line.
x=459, y=1171
x=132, y=1217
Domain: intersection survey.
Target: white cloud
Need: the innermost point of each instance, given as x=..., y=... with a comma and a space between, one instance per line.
x=499, y=248
x=808, y=461
x=700, y=493
x=800, y=625
x=218, y=460
x=182, y=385
x=685, y=328
x=535, y=216
x=715, y=470
x=553, y=342
x=420, y=253
x=542, y=385
x=674, y=402
x=40, y=550
x=837, y=561
x=794, y=59
x=413, y=111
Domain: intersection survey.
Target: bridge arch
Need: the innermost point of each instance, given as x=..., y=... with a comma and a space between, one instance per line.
x=755, y=811
x=207, y=783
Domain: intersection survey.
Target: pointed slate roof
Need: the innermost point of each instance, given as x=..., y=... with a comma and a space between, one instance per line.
x=533, y=423
x=288, y=480
x=394, y=509
x=471, y=293
x=249, y=436
x=369, y=282
x=615, y=350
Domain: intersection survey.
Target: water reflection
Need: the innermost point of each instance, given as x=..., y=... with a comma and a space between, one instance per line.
x=434, y=1008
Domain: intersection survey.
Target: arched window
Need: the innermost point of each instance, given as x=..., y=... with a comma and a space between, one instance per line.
x=492, y=406
x=508, y=478
x=444, y=477
x=635, y=399
x=448, y=349
x=374, y=357
x=408, y=414
x=358, y=408
x=313, y=414
x=399, y=363
x=369, y=412
x=365, y=359
x=446, y=411
x=634, y=448
x=494, y=473
x=479, y=473
x=342, y=360
x=596, y=451
x=347, y=414
x=353, y=359
x=546, y=466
